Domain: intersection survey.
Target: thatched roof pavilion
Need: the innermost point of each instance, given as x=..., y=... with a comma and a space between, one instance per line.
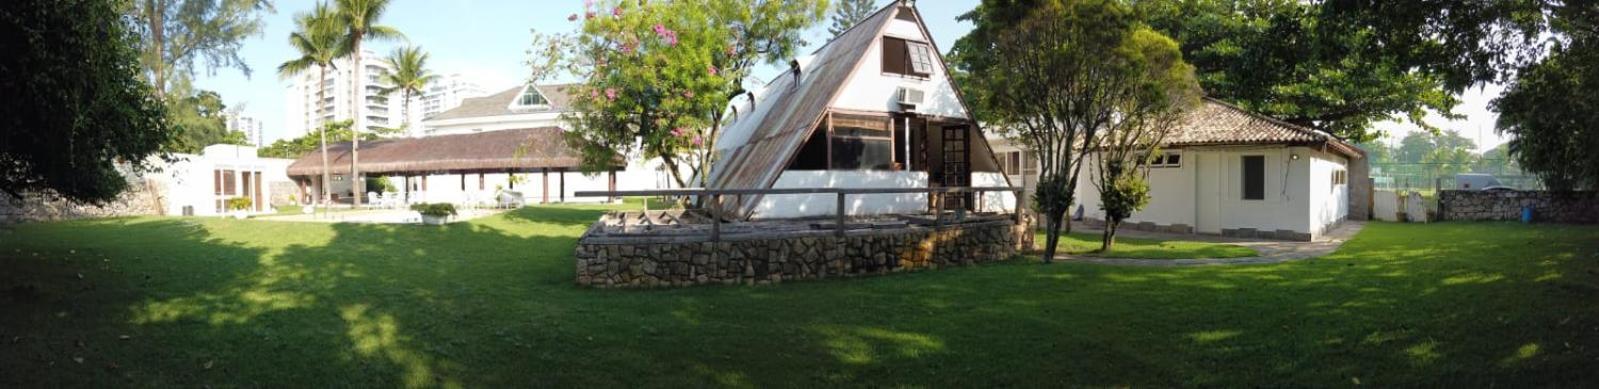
x=507, y=150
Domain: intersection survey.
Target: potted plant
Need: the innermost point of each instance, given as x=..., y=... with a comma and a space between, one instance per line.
x=434, y=213
x=239, y=207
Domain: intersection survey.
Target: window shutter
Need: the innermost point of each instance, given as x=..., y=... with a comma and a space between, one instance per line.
x=894, y=59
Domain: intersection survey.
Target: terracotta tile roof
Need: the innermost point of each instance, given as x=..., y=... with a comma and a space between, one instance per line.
x=498, y=104
x=493, y=150
x=1218, y=123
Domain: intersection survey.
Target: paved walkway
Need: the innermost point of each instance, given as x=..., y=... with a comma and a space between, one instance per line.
x=1271, y=251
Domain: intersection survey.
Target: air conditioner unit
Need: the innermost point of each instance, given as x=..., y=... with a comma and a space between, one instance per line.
x=911, y=97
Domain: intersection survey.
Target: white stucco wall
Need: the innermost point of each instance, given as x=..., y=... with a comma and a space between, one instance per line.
x=189, y=181
x=1329, y=203
x=1298, y=195
x=790, y=206
x=492, y=123
x=872, y=90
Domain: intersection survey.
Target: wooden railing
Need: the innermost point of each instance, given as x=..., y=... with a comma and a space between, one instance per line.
x=840, y=213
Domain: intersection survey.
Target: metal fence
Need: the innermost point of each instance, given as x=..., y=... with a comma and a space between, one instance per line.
x=1431, y=177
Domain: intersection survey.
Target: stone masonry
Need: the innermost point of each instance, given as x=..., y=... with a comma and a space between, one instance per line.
x=791, y=256
x=140, y=198
x=1577, y=207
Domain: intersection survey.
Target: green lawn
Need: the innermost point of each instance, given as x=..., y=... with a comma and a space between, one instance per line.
x=1087, y=244
x=156, y=302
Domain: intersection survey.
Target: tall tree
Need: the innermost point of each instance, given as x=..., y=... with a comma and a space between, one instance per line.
x=199, y=119
x=409, y=75
x=658, y=76
x=1050, y=75
x=1550, y=110
x=1159, y=88
x=87, y=109
x=848, y=13
x=319, y=39
x=176, y=33
x=1343, y=65
x=361, y=18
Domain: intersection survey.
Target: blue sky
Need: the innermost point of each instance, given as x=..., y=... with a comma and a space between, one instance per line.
x=487, y=40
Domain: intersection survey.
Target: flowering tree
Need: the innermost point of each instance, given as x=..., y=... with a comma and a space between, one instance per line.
x=658, y=76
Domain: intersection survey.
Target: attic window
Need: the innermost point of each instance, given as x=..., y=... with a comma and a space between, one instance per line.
x=530, y=99
x=921, y=56
x=905, y=57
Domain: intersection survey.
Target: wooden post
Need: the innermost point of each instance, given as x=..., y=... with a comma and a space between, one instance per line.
x=938, y=212
x=716, y=217
x=1021, y=194
x=840, y=212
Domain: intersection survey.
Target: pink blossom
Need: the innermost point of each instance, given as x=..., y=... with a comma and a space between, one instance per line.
x=572, y=17
x=688, y=94
x=697, y=140
x=671, y=38
x=616, y=11
x=594, y=94
x=712, y=69
x=660, y=29
x=610, y=93
x=680, y=131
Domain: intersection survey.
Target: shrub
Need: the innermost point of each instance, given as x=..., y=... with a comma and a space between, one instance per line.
x=434, y=209
x=238, y=203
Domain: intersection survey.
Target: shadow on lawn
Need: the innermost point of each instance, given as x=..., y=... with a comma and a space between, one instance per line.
x=492, y=303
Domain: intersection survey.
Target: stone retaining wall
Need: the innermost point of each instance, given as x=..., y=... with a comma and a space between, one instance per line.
x=141, y=198
x=611, y=262
x=1580, y=207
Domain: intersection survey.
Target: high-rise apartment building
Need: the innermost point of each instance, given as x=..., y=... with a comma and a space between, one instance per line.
x=250, y=126
x=303, y=113
x=444, y=94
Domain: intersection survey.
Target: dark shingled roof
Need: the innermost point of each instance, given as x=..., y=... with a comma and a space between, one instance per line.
x=498, y=104
x=494, y=150
x=1218, y=123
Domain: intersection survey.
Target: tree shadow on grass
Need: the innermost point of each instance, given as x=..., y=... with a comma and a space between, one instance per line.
x=492, y=303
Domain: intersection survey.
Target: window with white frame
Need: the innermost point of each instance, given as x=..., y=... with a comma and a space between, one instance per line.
x=921, y=57
x=1165, y=160
x=530, y=98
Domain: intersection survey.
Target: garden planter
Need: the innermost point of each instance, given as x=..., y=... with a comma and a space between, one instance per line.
x=434, y=220
x=240, y=215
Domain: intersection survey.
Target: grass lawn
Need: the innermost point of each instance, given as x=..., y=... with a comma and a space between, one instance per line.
x=1081, y=243
x=491, y=303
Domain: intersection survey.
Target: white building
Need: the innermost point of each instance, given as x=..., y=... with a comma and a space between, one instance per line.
x=873, y=108
x=510, y=141
x=443, y=94
x=249, y=125
x=305, y=114
x=524, y=106
x=1231, y=172
x=199, y=185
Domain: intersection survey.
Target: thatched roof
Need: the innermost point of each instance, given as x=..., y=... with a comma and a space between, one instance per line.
x=531, y=148
x=1218, y=123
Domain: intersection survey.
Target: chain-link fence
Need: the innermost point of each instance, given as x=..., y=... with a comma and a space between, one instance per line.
x=1431, y=177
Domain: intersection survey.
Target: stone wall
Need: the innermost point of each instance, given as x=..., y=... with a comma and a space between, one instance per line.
x=1579, y=207
x=141, y=198
x=614, y=262
x=1360, y=188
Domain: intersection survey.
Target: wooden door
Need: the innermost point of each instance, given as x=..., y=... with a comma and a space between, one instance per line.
x=957, y=169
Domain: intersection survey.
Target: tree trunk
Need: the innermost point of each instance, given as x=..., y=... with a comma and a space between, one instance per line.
x=357, y=186
x=1051, y=234
x=1108, y=239
x=157, y=48
x=327, y=174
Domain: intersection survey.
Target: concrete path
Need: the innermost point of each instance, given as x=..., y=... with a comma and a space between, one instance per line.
x=1271, y=251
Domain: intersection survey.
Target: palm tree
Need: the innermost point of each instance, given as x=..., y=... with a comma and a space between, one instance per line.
x=360, y=18
x=319, y=41
x=409, y=77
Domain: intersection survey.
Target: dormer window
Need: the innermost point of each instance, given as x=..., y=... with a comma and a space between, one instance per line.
x=530, y=99
x=906, y=57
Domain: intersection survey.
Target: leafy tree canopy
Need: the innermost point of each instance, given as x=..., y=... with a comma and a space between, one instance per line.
x=175, y=34
x=658, y=75
x=199, y=119
x=848, y=13
x=83, y=109
x=1551, y=109
x=338, y=131
x=1343, y=65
